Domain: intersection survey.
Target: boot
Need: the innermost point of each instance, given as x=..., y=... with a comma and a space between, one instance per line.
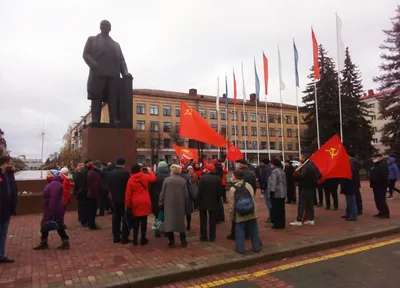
x=183, y=240
x=64, y=245
x=144, y=241
x=42, y=246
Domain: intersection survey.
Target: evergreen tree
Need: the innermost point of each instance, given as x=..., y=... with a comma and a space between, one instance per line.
x=357, y=129
x=390, y=81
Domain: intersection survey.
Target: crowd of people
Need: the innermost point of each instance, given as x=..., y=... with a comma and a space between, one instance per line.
x=174, y=192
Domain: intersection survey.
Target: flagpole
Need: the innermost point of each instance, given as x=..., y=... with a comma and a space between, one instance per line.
x=244, y=112
x=258, y=144
x=297, y=84
x=280, y=98
x=340, y=96
x=316, y=112
x=267, y=120
x=298, y=121
x=217, y=108
x=227, y=115
x=235, y=122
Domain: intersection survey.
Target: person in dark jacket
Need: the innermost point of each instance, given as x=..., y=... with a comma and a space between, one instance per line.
x=80, y=191
x=331, y=189
x=8, y=203
x=104, y=204
x=290, y=182
x=394, y=175
x=208, y=200
x=379, y=184
x=306, y=175
x=155, y=187
x=117, y=180
x=189, y=204
x=349, y=188
x=249, y=175
x=265, y=172
x=93, y=194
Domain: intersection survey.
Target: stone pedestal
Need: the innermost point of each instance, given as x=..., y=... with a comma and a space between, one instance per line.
x=106, y=143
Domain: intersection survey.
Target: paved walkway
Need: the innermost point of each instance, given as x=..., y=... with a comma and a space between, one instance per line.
x=94, y=261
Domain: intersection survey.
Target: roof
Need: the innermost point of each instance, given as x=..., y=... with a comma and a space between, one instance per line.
x=372, y=94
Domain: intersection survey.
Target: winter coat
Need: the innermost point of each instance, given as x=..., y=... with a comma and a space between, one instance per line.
x=94, y=184
x=8, y=196
x=250, y=177
x=209, y=192
x=81, y=185
x=350, y=187
x=53, y=203
x=277, y=183
x=155, y=188
x=66, y=189
x=189, y=204
x=117, y=180
x=265, y=172
x=307, y=178
x=289, y=170
x=224, y=181
x=137, y=194
x=235, y=217
x=173, y=198
x=198, y=172
x=379, y=175
x=393, y=169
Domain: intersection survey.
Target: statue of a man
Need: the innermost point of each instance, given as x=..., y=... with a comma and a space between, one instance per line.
x=106, y=62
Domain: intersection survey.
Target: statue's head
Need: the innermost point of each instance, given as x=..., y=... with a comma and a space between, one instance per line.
x=105, y=27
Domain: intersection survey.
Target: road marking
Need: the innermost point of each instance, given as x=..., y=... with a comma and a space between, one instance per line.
x=296, y=264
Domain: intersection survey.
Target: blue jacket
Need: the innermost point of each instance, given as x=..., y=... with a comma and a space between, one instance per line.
x=8, y=196
x=393, y=169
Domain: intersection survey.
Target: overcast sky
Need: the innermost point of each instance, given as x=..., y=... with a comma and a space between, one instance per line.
x=168, y=45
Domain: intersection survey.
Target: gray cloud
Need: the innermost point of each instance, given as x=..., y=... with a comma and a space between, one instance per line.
x=170, y=45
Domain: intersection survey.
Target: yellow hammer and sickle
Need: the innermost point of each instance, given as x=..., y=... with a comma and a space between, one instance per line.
x=333, y=152
x=188, y=112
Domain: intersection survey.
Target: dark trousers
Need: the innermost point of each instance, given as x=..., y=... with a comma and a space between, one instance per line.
x=380, y=201
x=109, y=87
x=221, y=212
x=82, y=211
x=188, y=221
x=223, y=194
x=392, y=183
x=139, y=222
x=4, y=224
x=359, y=204
x=91, y=212
x=212, y=224
x=60, y=230
x=320, y=190
x=104, y=203
x=117, y=219
x=331, y=190
x=351, y=207
x=278, y=216
x=291, y=192
x=171, y=237
x=305, y=205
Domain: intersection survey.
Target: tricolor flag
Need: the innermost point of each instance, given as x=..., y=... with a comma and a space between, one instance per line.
x=234, y=89
x=281, y=83
x=340, y=43
x=265, y=61
x=296, y=64
x=317, y=74
x=257, y=82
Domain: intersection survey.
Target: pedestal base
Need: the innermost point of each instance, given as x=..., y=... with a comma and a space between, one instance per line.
x=108, y=144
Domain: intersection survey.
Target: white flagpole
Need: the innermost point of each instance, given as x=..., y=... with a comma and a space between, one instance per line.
x=298, y=120
x=217, y=108
x=339, y=65
x=226, y=118
x=235, y=122
x=267, y=120
x=258, y=144
x=316, y=112
x=244, y=112
x=280, y=98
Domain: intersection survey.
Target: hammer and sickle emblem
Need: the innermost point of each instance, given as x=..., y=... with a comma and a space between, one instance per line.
x=333, y=152
x=188, y=112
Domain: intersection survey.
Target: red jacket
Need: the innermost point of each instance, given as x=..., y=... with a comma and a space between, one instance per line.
x=137, y=193
x=199, y=173
x=66, y=189
x=224, y=176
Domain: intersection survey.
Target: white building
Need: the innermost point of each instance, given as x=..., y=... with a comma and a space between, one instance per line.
x=31, y=164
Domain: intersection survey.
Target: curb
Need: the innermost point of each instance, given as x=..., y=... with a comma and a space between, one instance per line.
x=247, y=260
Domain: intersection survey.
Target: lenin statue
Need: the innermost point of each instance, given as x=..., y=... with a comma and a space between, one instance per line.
x=106, y=62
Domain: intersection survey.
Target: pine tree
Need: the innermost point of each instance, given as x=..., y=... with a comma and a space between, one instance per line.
x=357, y=129
x=390, y=80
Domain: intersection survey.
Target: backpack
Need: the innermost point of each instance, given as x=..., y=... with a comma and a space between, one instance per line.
x=244, y=203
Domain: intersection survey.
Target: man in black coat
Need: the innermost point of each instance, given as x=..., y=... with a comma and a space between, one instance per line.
x=117, y=181
x=265, y=172
x=249, y=175
x=8, y=203
x=379, y=183
x=349, y=188
x=290, y=182
x=208, y=198
x=331, y=189
x=81, y=190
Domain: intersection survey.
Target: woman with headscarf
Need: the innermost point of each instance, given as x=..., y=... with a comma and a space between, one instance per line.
x=155, y=187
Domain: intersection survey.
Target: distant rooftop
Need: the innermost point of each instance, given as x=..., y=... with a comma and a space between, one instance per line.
x=371, y=94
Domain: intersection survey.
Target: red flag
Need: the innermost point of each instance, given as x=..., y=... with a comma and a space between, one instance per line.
x=332, y=160
x=185, y=153
x=234, y=89
x=317, y=74
x=205, y=164
x=234, y=153
x=195, y=127
x=265, y=60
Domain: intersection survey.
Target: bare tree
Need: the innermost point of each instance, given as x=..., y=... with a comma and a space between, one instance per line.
x=69, y=155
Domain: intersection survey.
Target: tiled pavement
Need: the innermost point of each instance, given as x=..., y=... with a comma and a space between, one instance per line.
x=94, y=261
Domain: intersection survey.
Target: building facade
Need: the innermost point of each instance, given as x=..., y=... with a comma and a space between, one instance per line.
x=31, y=164
x=156, y=118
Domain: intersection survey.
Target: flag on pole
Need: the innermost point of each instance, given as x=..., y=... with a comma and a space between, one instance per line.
x=332, y=160
x=281, y=83
x=217, y=100
x=234, y=89
x=340, y=43
x=185, y=153
x=257, y=82
x=265, y=60
x=317, y=74
x=226, y=92
x=234, y=153
x=296, y=63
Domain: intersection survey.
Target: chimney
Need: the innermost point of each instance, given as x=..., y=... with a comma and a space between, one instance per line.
x=192, y=92
x=371, y=92
x=253, y=98
x=224, y=95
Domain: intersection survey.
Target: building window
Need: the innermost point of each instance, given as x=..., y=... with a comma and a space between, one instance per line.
x=167, y=110
x=262, y=117
x=178, y=111
x=296, y=133
x=243, y=145
x=253, y=131
x=288, y=119
x=271, y=132
x=177, y=125
x=263, y=145
x=253, y=117
x=215, y=127
x=167, y=126
x=140, y=108
x=375, y=141
x=297, y=145
x=244, y=131
x=295, y=120
x=289, y=132
x=141, y=125
x=234, y=116
x=141, y=159
x=167, y=143
x=272, y=145
x=279, y=132
x=243, y=116
x=254, y=144
x=278, y=118
x=213, y=114
x=202, y=112
x=280, y=146
x=290, y=146
x=223, y=115
x=271, y=118
x=263, y=131
x=154, y=126
x=234, y=130
x=373, y=117
x=153, y=109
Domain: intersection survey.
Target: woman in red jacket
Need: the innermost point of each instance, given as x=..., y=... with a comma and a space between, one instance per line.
x=137, y=198
x=66, y=186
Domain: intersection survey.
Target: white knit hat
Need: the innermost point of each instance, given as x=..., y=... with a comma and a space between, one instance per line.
x=64, y=171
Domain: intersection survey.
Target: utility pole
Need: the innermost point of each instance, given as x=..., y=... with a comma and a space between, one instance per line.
x=42, y=136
